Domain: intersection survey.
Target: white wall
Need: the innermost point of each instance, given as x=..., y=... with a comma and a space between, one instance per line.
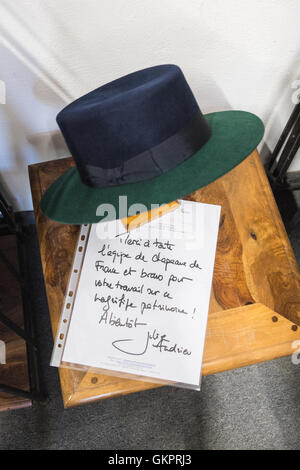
x=238, y=54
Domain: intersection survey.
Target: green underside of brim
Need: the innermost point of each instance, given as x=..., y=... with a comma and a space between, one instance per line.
x=235, y=134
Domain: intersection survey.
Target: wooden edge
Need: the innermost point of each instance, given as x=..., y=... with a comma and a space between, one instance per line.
x=254, y=334
x=269, y=196
x=84, y=396
x=256, y=329
x=16, y=404
x=34, y=183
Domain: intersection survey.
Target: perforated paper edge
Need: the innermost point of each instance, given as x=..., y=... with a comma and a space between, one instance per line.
x=70, y=296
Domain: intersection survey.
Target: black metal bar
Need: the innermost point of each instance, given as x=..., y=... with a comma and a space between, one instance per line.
x=36, y=385
x=13, y=326
x=289, y=159
x=294, y=187
x=288, y=152
x=4, y=229
x=292, y=119
x=8, y=214
x=284, y=186
x=9, y=266
x=20, y=393
x=28, y=333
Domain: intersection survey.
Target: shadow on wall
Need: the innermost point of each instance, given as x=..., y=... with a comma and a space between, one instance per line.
x=28, y=130
x=19, y=146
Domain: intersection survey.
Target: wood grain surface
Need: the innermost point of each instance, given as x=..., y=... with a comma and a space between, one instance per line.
x=14, y=373
x=255, y=300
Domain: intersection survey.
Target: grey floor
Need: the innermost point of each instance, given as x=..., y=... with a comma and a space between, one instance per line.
x=256, y=407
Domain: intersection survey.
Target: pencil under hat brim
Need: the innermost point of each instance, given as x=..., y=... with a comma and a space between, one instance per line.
x=235, y=134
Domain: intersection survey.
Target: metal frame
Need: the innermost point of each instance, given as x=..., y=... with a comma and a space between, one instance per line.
x=12, y=226
x=286, y=148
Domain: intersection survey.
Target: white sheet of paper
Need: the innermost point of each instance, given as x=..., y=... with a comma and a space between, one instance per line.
x=143, y=297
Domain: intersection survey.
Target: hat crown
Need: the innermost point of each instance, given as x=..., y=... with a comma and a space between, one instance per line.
x=121, y=120
x=151, y=78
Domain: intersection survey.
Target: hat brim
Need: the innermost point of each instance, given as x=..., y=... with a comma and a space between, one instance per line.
x=235, y=134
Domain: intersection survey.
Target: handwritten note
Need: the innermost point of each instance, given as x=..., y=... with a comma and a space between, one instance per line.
x=143, y=296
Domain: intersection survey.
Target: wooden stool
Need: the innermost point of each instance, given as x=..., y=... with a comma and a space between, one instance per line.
x=255, y=301
x=14, y=372
x=19, y=365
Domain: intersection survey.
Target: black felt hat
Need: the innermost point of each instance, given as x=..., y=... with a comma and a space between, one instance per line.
x=144, y=136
